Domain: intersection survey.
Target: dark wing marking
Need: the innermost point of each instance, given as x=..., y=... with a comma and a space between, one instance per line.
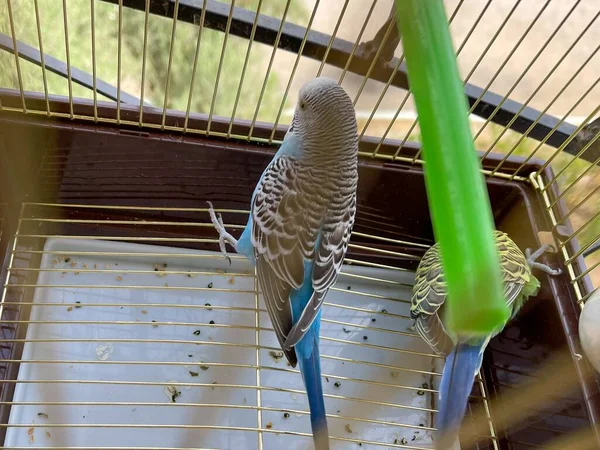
x=277, y=217
x=430, y=289
x=328, y=260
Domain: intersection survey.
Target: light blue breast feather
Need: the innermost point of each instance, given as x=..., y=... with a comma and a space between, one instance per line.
x=289, y=147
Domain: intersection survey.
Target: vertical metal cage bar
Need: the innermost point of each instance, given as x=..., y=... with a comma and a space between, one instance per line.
x=510, y=54
x=269, y=67
x=492, y=41
x=42, y=59
x=333, y=35
x=194, y=67
x=526, y=70
x=536, y=90
x=356, y=43
x=144, y=51
x=560, y=149
x=119, y=51
x=11, y=260
x=579, y=230
x=486, y=406
x=548, y=106
x=380, y=98
x=583, y=174
x=583, y=248
x=244, y=68
x=258, y=365
x=554, y=128
x=391, y=124
x=69, y=80
x=389, y=29
x=94, y=73
x=294, y=68
x=538, y=181
x=406, y=96
x=578, y=205
x=17, y=64
x=169, y=63
x=223, y=50
x=472, y=29
x=585, y=272
x=575, y=158
x=497, y=73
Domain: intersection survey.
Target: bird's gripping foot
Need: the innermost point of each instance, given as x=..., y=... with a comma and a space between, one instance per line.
x=224, y=236
x=532, y=257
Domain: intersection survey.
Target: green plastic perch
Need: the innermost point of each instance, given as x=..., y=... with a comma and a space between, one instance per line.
x=458, y=200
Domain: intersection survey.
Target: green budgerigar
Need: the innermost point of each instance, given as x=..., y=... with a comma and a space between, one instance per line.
x=464, y=357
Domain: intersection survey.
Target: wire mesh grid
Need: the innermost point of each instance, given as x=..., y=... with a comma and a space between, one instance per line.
x=538, y=53
x=129, y=334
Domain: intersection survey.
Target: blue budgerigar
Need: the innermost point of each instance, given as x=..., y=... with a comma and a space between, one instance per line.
x=464, y=357
x=301, y=216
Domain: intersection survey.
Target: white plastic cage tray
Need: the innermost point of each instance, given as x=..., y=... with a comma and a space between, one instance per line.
x=117, y=328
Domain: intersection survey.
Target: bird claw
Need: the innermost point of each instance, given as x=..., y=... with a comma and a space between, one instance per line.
x=533, y=256
x=224, y=236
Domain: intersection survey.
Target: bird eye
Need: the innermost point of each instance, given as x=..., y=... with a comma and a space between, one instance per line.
x=302, y=105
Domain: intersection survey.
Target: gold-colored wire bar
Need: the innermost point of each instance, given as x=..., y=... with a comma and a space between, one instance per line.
x=539, y=87
x=510, y=54
x=94, y=72
x=583, y=248
x=119, y=53
x=526, y=70
x=269, y=67
x=196, y=427
x=11, y=261
x=68, y=55
x=42, y=56
x=244, y=68
x=212, y=342
x=356, y=42
x=13, y=34
x=380, y=99
x=257, y=342
x=144, y=55
x=545, y=110
x=333, y=36
x=294, y=68
x=492, y=40
x=415, y=159
x=580, y=176
x=560, y=149
x=580, y=229
x=220, y=67
x=169, y=65
x=586, y=272
x=578, y=204
x=538, y=180
x=562, y=120
x=388, y=31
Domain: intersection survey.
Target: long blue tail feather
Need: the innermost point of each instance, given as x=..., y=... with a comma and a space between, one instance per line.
x=307, y=351
x=310, y=368
x=457, y=382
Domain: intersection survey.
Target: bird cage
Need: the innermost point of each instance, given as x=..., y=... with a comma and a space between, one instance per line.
x=122, y=324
